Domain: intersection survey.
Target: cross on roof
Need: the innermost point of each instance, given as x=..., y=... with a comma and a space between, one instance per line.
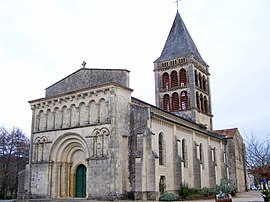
x=83, y=64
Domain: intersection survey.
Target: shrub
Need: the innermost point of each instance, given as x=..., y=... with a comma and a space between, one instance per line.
x=226, y=188
x=168, y=197
x=191, y=193
x=208, y=191
x=185, y=191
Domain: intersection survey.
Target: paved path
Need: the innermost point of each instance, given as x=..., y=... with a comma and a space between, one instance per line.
x=252, y=196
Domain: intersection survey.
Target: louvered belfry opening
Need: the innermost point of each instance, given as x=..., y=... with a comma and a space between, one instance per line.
x=198, y=100
x=166, y=103
x=183, y=77
x=201, y=103
x=204, y=83
x=174, y=79
x=205, y=104
x=200, y=81
x=175, y=102
x=184, y=100
x=165, y=81
x=182, y=82
x=196, y=77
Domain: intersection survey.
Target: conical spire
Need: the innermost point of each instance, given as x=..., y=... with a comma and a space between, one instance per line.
x=179, y=43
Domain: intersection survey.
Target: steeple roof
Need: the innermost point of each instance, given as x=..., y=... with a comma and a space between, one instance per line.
x=179, y=43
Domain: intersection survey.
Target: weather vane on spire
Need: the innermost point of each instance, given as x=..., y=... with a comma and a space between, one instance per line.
x=177, y=1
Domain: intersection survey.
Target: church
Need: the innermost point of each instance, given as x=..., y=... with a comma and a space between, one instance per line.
x=91, y=139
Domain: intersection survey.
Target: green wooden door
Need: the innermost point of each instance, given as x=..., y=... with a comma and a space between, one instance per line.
x=81, y=181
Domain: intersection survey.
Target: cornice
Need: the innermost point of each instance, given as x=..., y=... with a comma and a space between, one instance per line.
x=79, y=94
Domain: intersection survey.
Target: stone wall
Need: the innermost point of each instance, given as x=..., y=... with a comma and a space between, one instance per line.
x=88, y=128
x=142, y=158
x=197, y=167
x=85, y=78
x=231, y=162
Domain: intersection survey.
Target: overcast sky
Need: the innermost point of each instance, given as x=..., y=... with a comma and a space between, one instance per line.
x=43, y=41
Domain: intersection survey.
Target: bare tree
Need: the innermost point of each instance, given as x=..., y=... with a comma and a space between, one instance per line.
x=14, y=148
x=258, y=157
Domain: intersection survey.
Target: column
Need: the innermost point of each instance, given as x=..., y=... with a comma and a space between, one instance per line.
x=59, y=180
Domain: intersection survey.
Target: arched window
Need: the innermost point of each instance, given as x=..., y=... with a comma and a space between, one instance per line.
x=196, y=78
x=174, y=79
x=184, y=152
x=201, y=102
x=201, y=152
x=161, y=149
x=166, y=103
x=214, y=158
x=165, y=81
x=175, y=102
x=198, y=100
x=203, y=83
x=183, y=77
x=184, y=100
x=205, y=104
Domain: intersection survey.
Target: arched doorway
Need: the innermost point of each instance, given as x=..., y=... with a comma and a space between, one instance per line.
x=81, y=181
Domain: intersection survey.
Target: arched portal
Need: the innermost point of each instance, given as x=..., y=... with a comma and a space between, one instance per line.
x=68, y=160
x=81, y=181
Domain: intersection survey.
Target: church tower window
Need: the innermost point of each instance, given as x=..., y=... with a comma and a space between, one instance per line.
x=174, y=79
x=204, y=83
x=201, y=102
x=166, y=102
x=205, y=104
x=165, y=81
x=196, y=78
x=175, y=102
x=200, y=81
x=183, y=77
x=198, y=100
x=192, y=77
x=184, y=100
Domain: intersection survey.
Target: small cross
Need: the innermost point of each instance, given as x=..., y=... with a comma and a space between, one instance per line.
x=83, y=64
x=177, y=1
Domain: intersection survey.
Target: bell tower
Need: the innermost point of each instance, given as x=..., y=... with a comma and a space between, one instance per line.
x=182, y=84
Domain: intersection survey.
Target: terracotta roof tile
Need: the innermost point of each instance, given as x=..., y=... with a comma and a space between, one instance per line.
x=230, y=132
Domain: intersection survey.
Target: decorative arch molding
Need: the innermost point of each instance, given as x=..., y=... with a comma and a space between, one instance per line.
x=68, y=151
x=70, y=115
x=68, y=142
x=38, y=148
x=99, y=139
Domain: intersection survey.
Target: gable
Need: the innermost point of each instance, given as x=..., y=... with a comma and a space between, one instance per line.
x=86, y=78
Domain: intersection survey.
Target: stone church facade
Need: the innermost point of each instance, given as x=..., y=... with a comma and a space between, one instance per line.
x=92, y=139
